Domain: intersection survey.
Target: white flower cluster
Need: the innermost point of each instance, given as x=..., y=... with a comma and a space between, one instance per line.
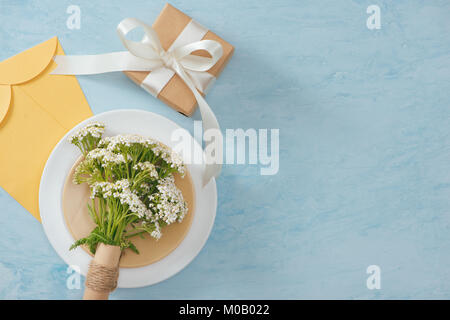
x=111, y=143
x=170, y=156
x=158, y=148
x=105, y=156
x=95, y=129
x=157, y=232
x=121, y=190
x=147, y=166
x=168, y=202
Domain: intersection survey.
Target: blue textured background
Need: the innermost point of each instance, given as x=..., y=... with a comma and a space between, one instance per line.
x=364, y=156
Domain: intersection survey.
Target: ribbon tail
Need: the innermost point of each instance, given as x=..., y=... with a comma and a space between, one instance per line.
x=209, y=122
x=103, y=63
x=210, y=125
x=202, y=80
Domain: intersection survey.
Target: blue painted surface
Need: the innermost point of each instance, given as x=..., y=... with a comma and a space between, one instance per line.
x=364, y=158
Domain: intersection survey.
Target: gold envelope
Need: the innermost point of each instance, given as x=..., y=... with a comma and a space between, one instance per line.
x=36, y=110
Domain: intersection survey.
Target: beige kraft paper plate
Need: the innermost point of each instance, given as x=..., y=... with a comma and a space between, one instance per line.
x=63, y=223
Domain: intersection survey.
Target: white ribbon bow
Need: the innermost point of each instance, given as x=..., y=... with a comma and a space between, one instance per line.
x=149, y=55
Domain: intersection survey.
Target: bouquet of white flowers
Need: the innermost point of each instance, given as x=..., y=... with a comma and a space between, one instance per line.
x=132, y=186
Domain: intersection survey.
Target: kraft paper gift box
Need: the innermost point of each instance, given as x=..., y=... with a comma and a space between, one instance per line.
x=169, y=25
x=36, y=111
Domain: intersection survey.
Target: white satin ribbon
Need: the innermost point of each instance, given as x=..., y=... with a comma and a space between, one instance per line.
x=148, y=55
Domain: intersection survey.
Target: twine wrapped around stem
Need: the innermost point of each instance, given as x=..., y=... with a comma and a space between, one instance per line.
x=102, y=278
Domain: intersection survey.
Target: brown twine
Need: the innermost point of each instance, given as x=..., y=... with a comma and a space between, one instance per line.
x=102, y=278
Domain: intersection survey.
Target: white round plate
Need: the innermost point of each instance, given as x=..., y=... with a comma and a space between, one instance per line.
x=61, y=161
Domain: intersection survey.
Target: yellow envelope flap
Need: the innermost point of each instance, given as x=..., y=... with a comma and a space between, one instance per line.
x=5, y=99
x=27, y=64
x=22, y=68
